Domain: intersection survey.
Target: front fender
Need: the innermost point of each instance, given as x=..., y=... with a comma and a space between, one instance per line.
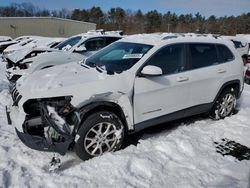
x=110, y=99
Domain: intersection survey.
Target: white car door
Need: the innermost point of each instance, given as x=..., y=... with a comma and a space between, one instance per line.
x=207, y=73
x=156, y=96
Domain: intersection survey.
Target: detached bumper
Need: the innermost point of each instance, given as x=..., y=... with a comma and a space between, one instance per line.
x=42, y=144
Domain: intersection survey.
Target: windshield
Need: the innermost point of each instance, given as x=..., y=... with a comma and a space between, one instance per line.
x=118, y=57
x=67, y=44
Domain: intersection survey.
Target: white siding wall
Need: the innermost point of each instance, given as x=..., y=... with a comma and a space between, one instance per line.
x=49, y=27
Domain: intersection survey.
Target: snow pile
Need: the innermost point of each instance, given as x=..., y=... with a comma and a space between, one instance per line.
x=181, y=157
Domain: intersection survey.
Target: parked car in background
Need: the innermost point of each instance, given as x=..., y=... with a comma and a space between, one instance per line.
x=73, y=49
x=247, y=37
x=134, y=83
x=17, y=46
x=5, y=38
x=242, y=46
x=240, y=43
x=32, y=49
x=31, y=42
x=5, y=44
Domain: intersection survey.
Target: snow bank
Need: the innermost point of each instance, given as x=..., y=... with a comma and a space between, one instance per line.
x=181, y=157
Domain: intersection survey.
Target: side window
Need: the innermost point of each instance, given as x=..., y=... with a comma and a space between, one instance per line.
x=95, y=44
x=202, y=55
x=110, y=40
x=224, y=53
x=171, y=59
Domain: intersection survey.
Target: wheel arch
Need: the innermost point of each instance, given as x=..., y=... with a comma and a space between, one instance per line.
x=235, y=84
x=93, y=107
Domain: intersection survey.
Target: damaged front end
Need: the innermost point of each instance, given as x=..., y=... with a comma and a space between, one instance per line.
x=50, y=124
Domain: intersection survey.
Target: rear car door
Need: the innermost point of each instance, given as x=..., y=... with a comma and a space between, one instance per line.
x=206, y=74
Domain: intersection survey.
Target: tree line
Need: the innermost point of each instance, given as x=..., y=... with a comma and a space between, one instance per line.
x=138, y=22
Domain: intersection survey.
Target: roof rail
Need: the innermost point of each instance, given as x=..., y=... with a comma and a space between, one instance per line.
x=103, y=32
x=177, y=35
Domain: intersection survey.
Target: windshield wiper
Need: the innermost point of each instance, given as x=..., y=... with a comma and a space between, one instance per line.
x=99, y=68
x=94, y=65
x=82, y=63
x=87, y=67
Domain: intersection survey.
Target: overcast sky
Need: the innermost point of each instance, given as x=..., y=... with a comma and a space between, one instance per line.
x=205, y=7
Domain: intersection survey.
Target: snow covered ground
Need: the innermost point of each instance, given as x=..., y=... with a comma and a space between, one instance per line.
x=183, y=156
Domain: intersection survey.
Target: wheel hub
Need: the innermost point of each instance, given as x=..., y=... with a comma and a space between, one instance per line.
x=228, y=103
x=100, y=139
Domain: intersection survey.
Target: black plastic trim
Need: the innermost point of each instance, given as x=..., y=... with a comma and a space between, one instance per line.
x=84, y=110
x=226, y=85
x=199, y=109
x=8, y=116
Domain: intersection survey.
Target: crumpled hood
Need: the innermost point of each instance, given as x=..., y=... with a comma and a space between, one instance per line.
x=60, y=76
x=19, y=55
x=54, y=58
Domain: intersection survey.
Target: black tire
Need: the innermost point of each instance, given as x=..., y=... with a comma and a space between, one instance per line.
x=88, y=130
x=220, y=104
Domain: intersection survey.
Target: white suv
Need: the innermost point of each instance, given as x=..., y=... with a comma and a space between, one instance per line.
x=137, y=82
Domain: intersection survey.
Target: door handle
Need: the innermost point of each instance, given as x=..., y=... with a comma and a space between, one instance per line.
x=221, y=71
x=182, y=79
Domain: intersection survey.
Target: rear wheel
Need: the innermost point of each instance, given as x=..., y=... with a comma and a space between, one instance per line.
x=224, y=105
x=100, y=133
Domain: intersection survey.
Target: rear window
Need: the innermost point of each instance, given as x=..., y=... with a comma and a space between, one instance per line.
x=237, y=44
x=225, y=54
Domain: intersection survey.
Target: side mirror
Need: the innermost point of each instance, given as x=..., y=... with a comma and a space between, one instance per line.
x=151, y=70
x=81, y=49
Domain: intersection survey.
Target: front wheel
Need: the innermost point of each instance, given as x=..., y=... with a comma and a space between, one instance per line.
x=224, y=105
x=100, y=133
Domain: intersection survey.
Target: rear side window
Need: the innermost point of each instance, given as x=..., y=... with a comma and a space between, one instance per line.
x=225, y=54
x=203, y=55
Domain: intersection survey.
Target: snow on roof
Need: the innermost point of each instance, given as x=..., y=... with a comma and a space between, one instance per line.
x=157, y=38
x=92, y=33
x=246, y=36
x=240, y=38
x=152, y=38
